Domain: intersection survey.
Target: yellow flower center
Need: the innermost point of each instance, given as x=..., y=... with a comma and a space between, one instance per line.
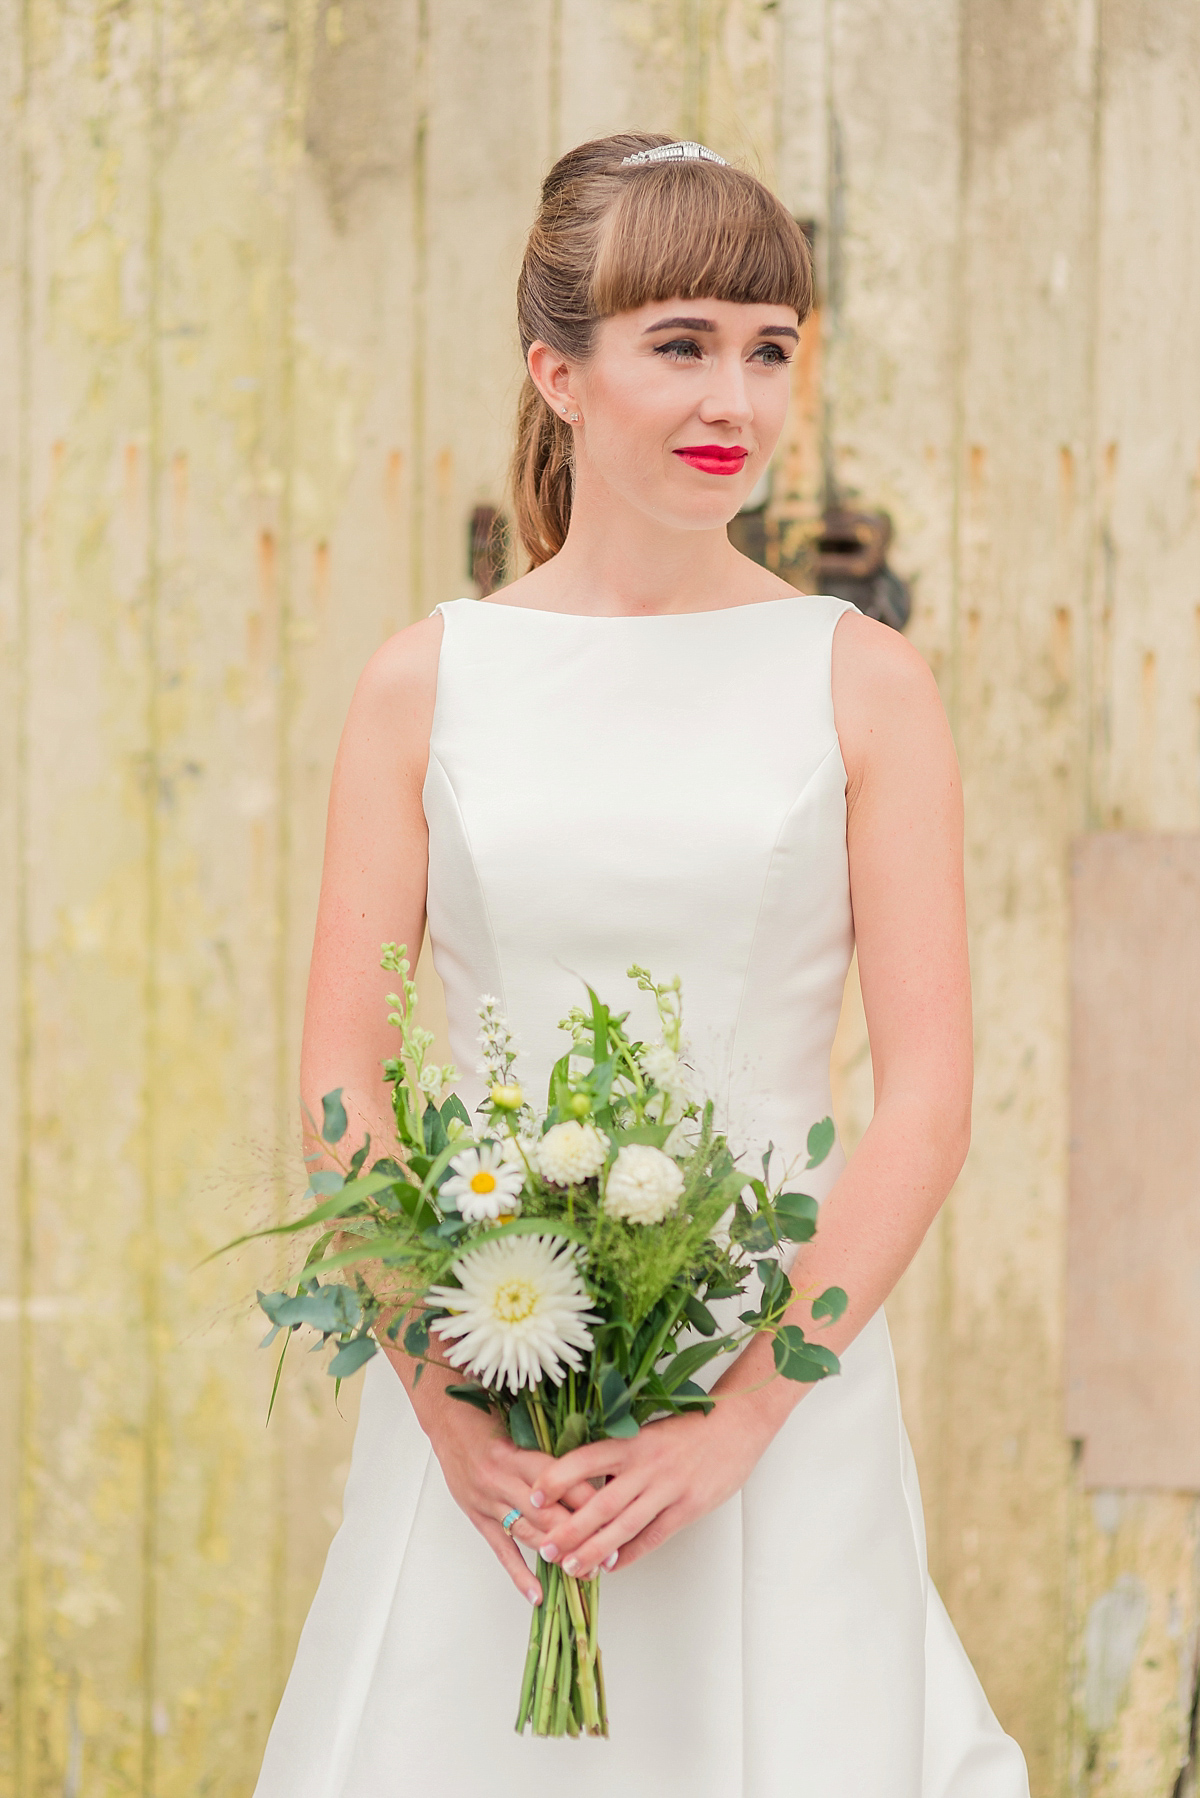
x=483, y=1181
x=515, y=1300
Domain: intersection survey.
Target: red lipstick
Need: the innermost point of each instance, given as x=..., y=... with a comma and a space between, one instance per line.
x=712, y=458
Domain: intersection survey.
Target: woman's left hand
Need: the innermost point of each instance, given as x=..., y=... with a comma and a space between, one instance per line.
x=668, y=1475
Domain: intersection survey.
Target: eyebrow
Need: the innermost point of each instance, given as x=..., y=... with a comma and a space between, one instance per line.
x=706, y=324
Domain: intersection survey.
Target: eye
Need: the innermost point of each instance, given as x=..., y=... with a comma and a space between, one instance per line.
x=680, y=349
x=771, y=355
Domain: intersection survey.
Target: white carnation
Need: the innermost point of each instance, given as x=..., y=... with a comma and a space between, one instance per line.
x=643, y=1185
x=571, y=1153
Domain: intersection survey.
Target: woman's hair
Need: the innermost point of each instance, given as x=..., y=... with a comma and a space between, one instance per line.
x=609, y=237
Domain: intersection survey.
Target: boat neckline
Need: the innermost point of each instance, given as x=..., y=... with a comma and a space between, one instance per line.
x=753, y=605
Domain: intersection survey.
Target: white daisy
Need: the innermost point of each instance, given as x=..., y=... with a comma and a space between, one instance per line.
x=571, y=1153
x=643, y=1185
x=483, y=1184
x=519, y=1312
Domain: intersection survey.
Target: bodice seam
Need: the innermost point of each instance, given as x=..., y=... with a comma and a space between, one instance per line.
x=834, y=749
x=470, y=849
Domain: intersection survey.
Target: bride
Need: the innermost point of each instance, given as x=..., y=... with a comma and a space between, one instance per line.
x=651, y=749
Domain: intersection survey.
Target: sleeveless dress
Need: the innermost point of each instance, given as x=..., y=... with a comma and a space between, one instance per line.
x=666, y=790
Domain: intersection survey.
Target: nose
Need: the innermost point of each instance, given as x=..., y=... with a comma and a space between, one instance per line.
x=727, y=400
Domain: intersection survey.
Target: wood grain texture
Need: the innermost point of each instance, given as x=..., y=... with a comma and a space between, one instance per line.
x=255, y=311
x=1133, y=1243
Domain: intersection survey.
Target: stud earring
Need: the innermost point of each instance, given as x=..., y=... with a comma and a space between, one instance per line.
x=574, y=418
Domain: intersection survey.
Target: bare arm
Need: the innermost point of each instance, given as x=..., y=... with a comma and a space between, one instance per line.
x=904, y=840
x=373, y=891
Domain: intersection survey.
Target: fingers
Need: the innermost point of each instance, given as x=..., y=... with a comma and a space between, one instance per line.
x=567, y=1540
x=512, y=1560
x=653, y=1536
x=606, y=1544
x=552, y=1480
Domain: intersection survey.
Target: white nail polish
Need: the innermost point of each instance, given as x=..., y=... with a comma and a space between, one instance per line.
x=612, y=1559
x=533, y=1594
x=570, y=1565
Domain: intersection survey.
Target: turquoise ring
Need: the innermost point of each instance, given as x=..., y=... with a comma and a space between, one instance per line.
x=507, y=1523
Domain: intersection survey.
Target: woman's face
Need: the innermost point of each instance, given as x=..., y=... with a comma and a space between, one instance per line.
x=681, y=405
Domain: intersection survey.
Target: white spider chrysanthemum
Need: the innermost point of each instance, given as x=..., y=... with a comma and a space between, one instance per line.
x=643, y=1185
x=571, y=1153
x=484, y=1184
x=519, y=1313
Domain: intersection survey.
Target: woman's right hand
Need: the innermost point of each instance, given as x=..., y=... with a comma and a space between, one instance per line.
x=488, y=1475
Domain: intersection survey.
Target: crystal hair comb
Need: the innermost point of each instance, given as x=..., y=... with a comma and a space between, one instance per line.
x=681, y=152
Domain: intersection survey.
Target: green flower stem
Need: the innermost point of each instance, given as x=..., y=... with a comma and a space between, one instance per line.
x=532, y=1657
x=585, y=1673
x=541, y=1725
x=593, y=1611
x=540, y=1424
x=600, y=1689
x=566, y=1671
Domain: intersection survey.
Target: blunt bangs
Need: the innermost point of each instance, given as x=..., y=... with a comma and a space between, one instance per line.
x=698, y=230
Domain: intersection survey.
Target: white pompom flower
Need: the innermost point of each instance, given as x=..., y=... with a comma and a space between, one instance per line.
x=519, y=1313
x=484, y=1184
x=570, y=1153
x=643, y=1185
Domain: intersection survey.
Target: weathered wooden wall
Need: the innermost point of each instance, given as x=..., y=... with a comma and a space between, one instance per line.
x=258, y=364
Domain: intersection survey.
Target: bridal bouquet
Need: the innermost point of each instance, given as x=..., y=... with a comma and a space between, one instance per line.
x=564, y=1263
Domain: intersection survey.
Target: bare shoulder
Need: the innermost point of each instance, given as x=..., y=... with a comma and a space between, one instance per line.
x=885, y=699
x=391, y=713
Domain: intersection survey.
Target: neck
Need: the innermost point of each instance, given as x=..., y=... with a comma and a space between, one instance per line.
x=617, y=560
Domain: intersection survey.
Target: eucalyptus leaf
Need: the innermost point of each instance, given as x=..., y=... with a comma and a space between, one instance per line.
x=622, y=1427
x=796, y=1214
x=351, y=1356
x=572, y=1435
x=693, y=1397
x=520, y=1426
x=327, y=1308
x=472, y=1395
x=831, y=1304
x=416, y=1336
x=336, y=1122
x=821, y=1139
x=798, y=1359
x=326, y=1179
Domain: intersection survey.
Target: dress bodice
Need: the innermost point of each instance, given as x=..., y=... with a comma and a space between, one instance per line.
x=667, y=790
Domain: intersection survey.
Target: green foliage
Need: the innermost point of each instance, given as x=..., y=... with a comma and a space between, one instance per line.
x=386, y=1236
x=336, y=1122
x=798, y=1359
x=821, y=1139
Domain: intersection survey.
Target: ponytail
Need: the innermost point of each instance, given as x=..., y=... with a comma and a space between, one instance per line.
x=542, y=475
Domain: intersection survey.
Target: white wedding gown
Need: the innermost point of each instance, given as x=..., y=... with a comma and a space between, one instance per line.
x=666, y=790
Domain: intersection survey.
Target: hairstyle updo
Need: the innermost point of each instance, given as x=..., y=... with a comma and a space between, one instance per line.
x=609, y=238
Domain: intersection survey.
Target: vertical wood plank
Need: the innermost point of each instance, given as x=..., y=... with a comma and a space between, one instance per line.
x=1029, y=118
x=88, y=784
x=1142, y=769
x=221, y=479
x=14, y=1215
